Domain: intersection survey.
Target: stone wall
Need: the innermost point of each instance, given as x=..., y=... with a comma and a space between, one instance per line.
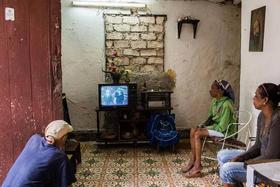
x=135, y=42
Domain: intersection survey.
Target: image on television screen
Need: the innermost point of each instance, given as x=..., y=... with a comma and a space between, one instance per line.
x=114, y=95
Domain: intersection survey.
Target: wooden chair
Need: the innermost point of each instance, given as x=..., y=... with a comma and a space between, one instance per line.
x=72, y=146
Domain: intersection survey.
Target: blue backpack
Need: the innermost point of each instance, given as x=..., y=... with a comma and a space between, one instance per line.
x=162, y=130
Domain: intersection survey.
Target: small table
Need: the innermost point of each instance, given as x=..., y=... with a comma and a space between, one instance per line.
x=268, y=173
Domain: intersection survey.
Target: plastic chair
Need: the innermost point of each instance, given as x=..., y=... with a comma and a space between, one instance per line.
x=240, y=139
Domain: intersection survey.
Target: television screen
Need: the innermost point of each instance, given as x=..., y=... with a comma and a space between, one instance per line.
x=113, y=95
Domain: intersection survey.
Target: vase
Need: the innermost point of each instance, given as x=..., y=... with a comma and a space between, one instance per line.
x=116, y=77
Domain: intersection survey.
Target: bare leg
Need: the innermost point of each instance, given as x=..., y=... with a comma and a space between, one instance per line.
x=192, y=141
x=196, y=169
x=192, y=159
x=197, y=139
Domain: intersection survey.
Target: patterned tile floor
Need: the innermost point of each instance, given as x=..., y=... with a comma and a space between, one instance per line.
x=139, y=166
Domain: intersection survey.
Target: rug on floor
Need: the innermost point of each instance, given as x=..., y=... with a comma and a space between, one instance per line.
x=139, y=166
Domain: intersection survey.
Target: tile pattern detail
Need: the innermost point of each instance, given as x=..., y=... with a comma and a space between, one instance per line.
x=141, y=166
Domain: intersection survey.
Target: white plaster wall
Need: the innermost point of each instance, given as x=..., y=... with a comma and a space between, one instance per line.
x=82, y=59
x=214, y=54
x=259, y=67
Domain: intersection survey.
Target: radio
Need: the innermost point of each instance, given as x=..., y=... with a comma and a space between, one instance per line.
x=156, y=99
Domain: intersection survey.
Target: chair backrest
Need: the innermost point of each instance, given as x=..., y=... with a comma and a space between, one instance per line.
x=66, y=115
x=244, y=119
x=243, y=132
x=238, y=140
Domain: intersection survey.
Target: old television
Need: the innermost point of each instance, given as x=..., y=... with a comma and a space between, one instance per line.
x=114, y=96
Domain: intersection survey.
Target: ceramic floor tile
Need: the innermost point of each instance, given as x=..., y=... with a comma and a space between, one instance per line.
x=141, y=166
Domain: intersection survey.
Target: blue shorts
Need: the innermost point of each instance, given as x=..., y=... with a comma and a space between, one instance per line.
x=231, y=172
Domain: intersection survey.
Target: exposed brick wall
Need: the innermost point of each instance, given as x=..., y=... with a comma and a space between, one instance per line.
x=138, y=40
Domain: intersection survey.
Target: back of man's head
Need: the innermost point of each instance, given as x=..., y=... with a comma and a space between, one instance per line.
x=56, y=130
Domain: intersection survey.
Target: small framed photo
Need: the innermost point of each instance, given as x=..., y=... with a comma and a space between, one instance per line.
x=257, y=29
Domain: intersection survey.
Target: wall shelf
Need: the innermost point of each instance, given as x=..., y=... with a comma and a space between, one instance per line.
x=187, y=20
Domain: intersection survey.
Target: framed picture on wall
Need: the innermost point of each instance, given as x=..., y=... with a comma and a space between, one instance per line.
x=257, y=29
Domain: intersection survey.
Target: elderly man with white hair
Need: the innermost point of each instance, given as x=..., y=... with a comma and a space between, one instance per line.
x=42, y=162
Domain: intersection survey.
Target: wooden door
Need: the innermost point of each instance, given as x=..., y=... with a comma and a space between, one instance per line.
x=30, y=73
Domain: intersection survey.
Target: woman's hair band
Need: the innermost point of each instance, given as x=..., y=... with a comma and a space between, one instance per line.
x=265, y=90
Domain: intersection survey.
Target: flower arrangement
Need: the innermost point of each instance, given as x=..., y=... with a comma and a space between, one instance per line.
x=171, y=74
x=117, y=71
x=169, y=77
